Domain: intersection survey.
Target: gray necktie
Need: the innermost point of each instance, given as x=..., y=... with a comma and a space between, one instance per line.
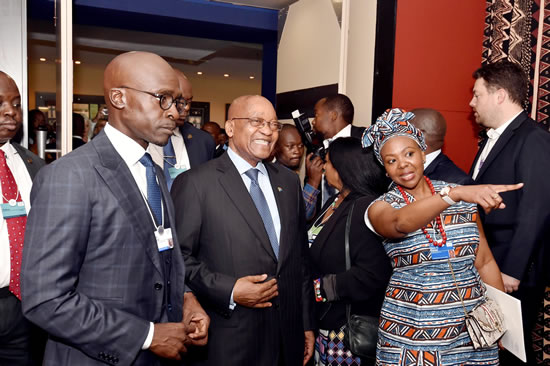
x=263, y=209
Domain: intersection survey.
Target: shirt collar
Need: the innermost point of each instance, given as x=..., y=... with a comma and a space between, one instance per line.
x=129, y=150
x=8, y=150
x=242, y=165
x=431, y=157
x=496, y=132
x=344, y=132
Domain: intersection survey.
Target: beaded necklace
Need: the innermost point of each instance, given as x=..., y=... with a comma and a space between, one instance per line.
x=438, y=224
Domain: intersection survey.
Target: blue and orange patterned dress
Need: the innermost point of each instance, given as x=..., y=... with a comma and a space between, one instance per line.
x=422, y=319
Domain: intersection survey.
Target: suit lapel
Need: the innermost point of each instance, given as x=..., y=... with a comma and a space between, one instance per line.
x=30, y=164
x=278, y=187
x=341, y=213
x=479, y=150
x=120, y=181
x=501, y=143
x=233, y=185
x=187, y=134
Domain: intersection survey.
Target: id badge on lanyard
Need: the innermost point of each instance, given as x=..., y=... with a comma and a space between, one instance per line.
x=164, y=238
x=444, y=252
x=13, y=209
x=176, y=170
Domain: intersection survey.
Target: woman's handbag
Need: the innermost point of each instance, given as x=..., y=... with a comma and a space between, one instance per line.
x=361, y=331
x=361, y=335
x=485, y=322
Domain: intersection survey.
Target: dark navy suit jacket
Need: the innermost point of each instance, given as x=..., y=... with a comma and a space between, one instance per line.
x=442, y=168
x=518, y=234
x=200, y=145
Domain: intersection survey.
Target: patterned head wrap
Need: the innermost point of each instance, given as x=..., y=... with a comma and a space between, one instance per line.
x=393, y=122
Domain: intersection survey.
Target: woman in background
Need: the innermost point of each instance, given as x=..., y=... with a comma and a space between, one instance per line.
x=359, y=180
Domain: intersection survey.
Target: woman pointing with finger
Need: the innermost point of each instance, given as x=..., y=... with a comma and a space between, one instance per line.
x=428, y=227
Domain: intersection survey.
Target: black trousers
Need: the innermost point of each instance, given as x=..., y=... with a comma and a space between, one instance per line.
x=21, y=343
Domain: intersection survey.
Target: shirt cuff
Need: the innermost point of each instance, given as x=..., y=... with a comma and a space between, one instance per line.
x=149, y=338
x=311, y=190
x=232, y=303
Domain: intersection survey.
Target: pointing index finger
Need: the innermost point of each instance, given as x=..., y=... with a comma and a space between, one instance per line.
x=507, y=187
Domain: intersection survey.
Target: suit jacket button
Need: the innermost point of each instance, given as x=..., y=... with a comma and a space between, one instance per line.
x=158, y=286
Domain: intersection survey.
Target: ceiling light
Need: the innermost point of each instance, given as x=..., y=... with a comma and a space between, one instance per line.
x=251, y=77
x=226, y=75
x=199, y=72
x=42, y=59
x=77, y=62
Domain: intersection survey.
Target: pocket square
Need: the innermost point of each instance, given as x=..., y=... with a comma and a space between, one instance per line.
x=280, y=189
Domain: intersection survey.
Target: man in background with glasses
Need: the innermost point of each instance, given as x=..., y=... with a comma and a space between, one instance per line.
x=102, y=269
x=188, y=147
x=242, y=228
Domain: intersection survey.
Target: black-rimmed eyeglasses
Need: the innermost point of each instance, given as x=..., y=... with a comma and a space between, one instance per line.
x=260, y=123
x=165, y=100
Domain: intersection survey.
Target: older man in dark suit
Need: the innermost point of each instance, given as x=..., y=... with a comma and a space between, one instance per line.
x=18, y=167
x=101, y=273
x=515, y=151
x=437, y=166
x=245, y=246
x=188, y=147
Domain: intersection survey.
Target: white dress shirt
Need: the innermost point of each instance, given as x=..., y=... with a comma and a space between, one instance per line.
x=431, y=157
x=493, y=136
x=130, y=151
x=344, y=132
x=182, y=158
x=24, y=184
x=265, y=185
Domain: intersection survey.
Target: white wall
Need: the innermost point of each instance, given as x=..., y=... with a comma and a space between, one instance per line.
x=13, y=47
x=312, y=49
x=360, y=58
x=309, y=50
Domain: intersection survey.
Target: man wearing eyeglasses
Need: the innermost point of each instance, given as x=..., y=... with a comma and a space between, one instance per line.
x=102, y=270
x=188, y=147
x=242, y=229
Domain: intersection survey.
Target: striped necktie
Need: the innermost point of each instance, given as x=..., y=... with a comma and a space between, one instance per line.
x=263, y=209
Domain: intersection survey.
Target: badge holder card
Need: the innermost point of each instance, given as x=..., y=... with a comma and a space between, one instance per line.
x=13, y=209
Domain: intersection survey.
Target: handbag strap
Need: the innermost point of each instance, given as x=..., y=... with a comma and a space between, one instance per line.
x=457, y=290
x=346, y=245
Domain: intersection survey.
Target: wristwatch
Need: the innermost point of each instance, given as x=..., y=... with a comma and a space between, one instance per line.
x=444, y=193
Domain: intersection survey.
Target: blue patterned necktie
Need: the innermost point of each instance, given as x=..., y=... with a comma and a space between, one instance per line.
x=169, y=161
x=263, y=209
x=153, y=189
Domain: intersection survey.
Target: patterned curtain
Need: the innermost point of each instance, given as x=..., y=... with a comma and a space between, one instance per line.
x=512, y=32
x=519, y=30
